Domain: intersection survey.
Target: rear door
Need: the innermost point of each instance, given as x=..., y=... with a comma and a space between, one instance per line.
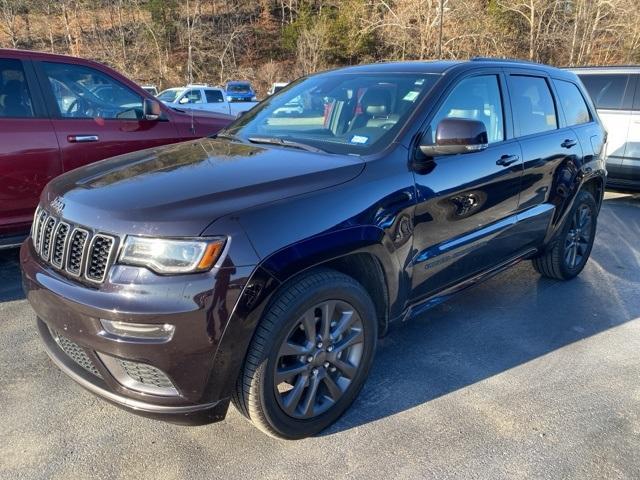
x=29, y=152
x=612, y=95
x=216, y=101
x=96, y=116
x=548, y=148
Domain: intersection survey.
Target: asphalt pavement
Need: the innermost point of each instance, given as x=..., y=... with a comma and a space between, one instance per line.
x=520, y=377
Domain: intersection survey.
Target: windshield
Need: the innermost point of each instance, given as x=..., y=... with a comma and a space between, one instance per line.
x=337, y=112
x=170, y=95
x=239, y=88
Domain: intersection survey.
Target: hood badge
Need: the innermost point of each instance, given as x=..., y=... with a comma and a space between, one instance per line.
x=57, y=205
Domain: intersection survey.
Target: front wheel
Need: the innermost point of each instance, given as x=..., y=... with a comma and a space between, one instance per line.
x=570, y=253
x=310, y=355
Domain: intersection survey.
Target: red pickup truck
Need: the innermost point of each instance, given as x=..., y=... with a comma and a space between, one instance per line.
x=58, y=113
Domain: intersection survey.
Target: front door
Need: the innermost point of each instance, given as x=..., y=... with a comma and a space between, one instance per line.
x=467, y=202
x=96, y=116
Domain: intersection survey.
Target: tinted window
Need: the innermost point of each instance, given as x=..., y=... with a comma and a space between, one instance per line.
x=15, y=99
x=239, y=88
x=83, y=92
x=607, y=91
x=574, y=107
x=214, y=96
x=532, y=103
x=475, y=98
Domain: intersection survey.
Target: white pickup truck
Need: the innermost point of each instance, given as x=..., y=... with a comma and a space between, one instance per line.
x=203, y=97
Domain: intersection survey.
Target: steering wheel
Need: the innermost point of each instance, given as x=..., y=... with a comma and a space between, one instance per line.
x=83, y=110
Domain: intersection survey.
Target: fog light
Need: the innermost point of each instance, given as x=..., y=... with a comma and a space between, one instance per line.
x=137, y=332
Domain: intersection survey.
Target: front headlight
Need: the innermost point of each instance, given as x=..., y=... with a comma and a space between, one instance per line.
x=167, y=256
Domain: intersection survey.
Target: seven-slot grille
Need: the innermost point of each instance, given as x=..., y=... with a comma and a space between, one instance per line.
x=72, y=249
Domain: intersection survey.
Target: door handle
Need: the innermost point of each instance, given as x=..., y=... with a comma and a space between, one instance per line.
x=568, y=143
x=507, y=160
x=82, y=138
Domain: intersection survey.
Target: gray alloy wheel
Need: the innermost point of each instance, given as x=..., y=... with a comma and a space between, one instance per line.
x=310, y=355
x=318, y=359
x=568, y=254
x=577, y=241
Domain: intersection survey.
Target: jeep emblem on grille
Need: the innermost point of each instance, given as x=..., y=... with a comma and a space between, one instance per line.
x=57, y=205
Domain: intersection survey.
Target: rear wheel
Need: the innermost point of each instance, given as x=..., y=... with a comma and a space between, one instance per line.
x=310, y=355
x=570, y=253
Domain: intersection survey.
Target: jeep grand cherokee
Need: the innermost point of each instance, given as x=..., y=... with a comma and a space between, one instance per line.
x=260, y=266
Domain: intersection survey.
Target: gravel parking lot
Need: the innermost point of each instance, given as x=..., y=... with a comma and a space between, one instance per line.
x=518, y=377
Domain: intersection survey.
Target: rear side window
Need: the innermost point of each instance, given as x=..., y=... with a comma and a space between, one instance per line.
x=15, y=98
x=573, y=104
x=607, y=91
x=83, y=92
x=532, y=103
x=214, y=96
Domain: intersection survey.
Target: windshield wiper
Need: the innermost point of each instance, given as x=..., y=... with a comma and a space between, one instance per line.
x=228, y=136
x=285, y=143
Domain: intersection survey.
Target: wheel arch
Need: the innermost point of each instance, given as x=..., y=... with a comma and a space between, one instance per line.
x=359, y=252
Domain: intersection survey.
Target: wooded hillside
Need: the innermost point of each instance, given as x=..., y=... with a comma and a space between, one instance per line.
x=276, y=40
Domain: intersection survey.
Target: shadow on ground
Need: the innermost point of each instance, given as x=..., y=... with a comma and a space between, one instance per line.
x=510, y=320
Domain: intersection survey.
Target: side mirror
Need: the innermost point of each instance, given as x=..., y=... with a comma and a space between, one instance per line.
x=457, y=135
x=151, y=109
x=183, y=100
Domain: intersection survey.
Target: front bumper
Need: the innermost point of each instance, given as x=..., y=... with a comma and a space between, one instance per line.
x=200, y=306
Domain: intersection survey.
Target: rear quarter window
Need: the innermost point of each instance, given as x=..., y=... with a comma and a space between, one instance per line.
x=575, y=108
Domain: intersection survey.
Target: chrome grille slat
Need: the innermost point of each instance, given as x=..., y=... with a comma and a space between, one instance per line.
x=37, y=232
x=76, y=251
x=58, y=248
x=99, y=257
x=71, y=249
x=47, y=237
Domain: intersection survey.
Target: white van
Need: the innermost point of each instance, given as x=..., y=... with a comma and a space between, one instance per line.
x=615, y=91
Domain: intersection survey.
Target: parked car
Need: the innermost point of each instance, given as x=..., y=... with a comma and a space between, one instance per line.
x=152, y=89
x=58, y=113
x=616, y=94
x=276, y=87
x=262, y=265
x=240, y=92
x=203, y=97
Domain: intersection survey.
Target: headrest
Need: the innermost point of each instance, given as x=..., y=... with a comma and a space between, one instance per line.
x=376, y=101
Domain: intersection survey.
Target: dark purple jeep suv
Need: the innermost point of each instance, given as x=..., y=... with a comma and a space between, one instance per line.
x=261, y=265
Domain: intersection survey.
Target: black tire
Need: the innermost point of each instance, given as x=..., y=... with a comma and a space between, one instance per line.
x=308, y=298
x=556, y=262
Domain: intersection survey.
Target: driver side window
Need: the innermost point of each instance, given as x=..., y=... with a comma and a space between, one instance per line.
x=83, y=92
x=192, y=96
x=474, y=98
